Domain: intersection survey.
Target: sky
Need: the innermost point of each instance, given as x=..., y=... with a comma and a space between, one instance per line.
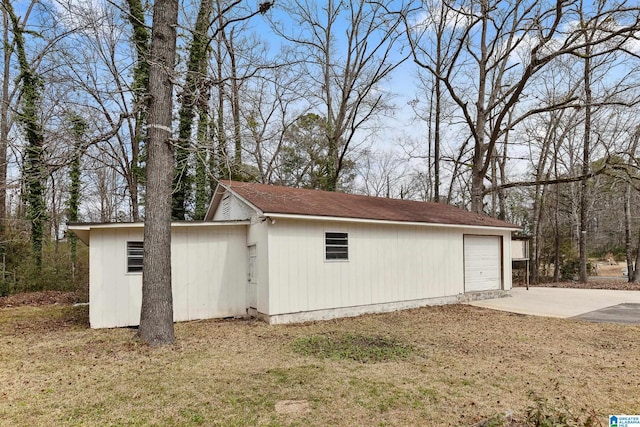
x=403, y=84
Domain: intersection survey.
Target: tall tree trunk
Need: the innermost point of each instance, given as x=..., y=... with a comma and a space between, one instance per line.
x=330, y=180
x=236, y=172
x=29, y=116
x=556, y=229
x=502, y=168
x=156, y=315
x=479, y=151
x=538, y=203
x=202, y=195
x=636, y=270
x=78, y=129
x=4, y=128
x=627, y=231
x=140, y=90
x=586, y=155
x=222, y=166
x=632, y=268
x=190, y=99
x=494, y=184
x=438, y=117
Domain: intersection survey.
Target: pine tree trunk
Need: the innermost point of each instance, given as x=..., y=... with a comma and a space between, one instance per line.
x=156, y=316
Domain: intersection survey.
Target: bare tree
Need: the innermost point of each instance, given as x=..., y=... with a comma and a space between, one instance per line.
x=499, y=48
x=140, y=37
x=271, y=109
x=382, y=174
x=193, y=92
x=344, y=81
x=92, y=69
x=437, y=48
x=4, y=120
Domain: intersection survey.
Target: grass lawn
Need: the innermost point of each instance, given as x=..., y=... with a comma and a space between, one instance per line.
x=452, y=366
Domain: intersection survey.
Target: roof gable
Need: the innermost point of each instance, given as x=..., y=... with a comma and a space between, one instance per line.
x=271, y=199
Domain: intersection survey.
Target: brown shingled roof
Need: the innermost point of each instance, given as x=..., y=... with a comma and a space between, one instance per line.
x=271, y=199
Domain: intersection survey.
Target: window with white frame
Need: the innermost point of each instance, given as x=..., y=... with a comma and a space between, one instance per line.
x=135, y=251
x=336, y=246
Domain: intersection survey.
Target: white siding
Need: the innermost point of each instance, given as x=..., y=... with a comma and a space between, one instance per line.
x=114, y=294
x=387, y=264
x=520, y=249
x=208, y=274
x=231, y=208
x=390, y=266
x=257, y=235
x=506, y=261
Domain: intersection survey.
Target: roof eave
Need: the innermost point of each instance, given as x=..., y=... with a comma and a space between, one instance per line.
x=383, y=221
x=213, y=205
x=83, y=231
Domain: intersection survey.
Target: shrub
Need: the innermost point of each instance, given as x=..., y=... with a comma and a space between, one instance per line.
x=21, y=273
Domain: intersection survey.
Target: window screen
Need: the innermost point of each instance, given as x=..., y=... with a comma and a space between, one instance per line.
x=336, y=246
x=134, y=257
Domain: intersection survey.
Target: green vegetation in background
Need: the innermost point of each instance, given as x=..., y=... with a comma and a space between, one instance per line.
x=55, y=272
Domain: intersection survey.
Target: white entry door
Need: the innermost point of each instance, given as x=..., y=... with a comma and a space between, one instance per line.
x=252, y=278
x=482, y=263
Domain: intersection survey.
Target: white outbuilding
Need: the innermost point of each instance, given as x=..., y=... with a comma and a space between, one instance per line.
x=290, y=255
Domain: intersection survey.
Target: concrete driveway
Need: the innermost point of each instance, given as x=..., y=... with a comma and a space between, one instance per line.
x=597, y=305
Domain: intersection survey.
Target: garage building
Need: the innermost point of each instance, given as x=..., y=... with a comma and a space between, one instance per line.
x=290, y=255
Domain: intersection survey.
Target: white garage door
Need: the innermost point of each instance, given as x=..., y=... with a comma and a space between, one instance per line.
x=482, y=266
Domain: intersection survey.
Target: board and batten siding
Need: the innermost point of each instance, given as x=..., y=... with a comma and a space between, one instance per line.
x=115, y=296
x=257, y=235
x=208, y=274
x=388, y=263
x=209, y=271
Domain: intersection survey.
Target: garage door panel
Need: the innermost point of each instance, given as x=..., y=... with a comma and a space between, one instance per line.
x=482, y=266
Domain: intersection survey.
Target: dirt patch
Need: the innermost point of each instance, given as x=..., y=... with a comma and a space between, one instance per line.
x=292, y=407
x=611, y=269
x=38, y=299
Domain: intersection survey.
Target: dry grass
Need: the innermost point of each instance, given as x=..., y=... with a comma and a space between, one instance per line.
x=466, y=365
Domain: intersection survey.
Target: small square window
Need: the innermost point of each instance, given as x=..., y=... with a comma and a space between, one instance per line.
x=135, y=251
x=336, y=246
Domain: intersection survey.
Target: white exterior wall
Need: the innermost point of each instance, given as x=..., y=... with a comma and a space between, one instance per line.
x=209, y=274
x=507, y=274
x=232, y=208
x=257, y=235
x=387, y=264
x=115, y=296
x=520, y=249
